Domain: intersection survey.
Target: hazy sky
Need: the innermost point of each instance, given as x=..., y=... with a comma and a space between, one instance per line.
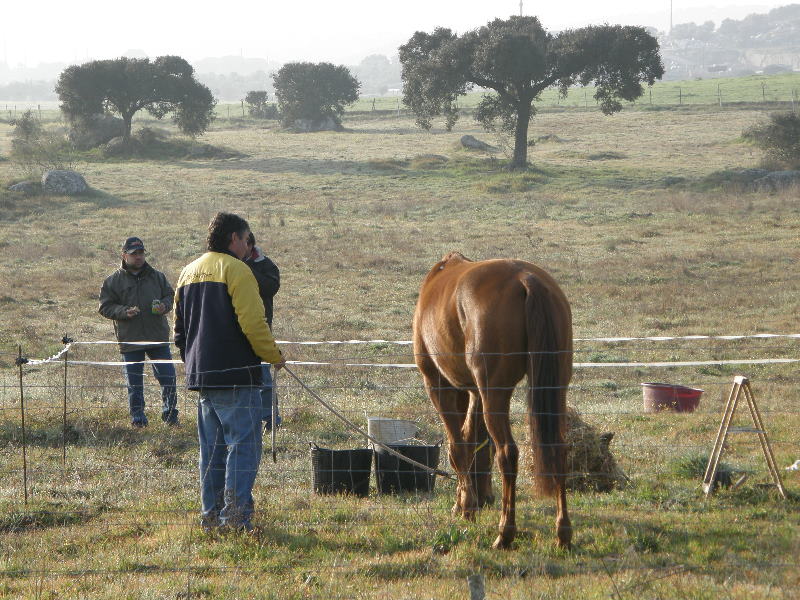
x=342, y=31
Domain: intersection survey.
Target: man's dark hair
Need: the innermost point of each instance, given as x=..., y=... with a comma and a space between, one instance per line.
x=251, y=239
x=220, y=229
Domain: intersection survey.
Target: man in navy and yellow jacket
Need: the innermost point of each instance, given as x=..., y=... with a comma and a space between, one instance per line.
x=222, y=336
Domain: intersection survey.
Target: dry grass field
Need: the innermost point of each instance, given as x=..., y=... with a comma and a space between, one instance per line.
x=355, y=220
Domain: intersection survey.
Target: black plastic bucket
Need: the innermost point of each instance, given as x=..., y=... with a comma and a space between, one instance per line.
x=341, y=471
x=396, y=475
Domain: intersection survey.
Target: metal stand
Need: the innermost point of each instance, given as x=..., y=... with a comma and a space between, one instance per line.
x=740, y=384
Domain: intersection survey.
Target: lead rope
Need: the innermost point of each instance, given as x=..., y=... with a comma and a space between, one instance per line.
x=358, y=430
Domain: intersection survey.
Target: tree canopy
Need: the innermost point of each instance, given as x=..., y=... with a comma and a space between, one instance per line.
x=127, y=85
x=518, y=59
x=314, y=91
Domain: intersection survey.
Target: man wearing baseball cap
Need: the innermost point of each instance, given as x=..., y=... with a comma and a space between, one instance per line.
x=136, y=298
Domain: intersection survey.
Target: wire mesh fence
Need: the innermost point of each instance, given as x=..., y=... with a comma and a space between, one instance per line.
x=92, y=481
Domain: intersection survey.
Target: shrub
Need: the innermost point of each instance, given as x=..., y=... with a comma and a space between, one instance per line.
x=779, y=137
x=258, y=107
x=35, y=149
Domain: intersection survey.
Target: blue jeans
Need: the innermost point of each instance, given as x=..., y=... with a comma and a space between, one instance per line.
x=228, y=428
x=266, y=399
x=134, y=378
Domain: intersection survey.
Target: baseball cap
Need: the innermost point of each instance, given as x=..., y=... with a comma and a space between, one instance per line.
x=132, y=244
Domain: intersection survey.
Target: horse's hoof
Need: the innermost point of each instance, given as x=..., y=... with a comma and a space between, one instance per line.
x=564, y=540
x=502, y=542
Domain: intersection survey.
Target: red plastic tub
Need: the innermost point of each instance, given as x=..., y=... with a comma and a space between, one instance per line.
x=667, y=396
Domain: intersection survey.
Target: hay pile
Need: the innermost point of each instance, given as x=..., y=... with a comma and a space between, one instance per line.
x=590, y=464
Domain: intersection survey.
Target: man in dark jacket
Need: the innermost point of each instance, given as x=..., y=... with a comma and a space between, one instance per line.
x=137, y=298
x=223, y=337
x=269, y=282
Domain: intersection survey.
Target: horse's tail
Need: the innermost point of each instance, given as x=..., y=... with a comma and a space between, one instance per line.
x=546, y=398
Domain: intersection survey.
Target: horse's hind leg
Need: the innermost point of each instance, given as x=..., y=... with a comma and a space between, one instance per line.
x=496, y=400
x=563, y=524
x=451, y=403
x=482, y=449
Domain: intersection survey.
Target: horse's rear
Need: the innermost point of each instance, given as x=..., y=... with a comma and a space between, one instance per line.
x=479, y=328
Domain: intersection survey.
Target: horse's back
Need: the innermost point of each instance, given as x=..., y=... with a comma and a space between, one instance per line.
x=470, y=310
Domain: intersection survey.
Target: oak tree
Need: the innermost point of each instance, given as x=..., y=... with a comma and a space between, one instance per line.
x=127, y=85
x=314, y=91
x=515, y=60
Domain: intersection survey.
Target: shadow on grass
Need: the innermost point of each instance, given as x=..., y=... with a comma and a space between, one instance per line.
x=42, y=518
x=166, y=445
x=423, y=166
x=15, y=206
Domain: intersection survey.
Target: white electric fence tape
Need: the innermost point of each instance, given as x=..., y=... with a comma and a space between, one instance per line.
x=763, y=361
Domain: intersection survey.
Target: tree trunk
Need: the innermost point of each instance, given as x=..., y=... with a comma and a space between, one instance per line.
x=127, y=120
x=520, y=160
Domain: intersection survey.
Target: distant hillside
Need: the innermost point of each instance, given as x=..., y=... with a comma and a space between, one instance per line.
x=759, y=43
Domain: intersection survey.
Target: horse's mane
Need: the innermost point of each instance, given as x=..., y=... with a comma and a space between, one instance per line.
x=454, y=255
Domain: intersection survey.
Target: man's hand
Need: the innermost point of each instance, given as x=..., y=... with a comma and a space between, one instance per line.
x=132, y=311
x=160, y=308
x=280, y=365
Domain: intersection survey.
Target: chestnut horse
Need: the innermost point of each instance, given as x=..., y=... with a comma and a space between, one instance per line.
x=479, y=328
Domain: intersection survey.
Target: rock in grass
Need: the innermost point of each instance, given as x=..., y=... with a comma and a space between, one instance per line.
x=119, y=147
x=23, y=187
x=63, y=183
x=549, y=138
x=93, y=131
x=321, y=124
x=474, y=143
x=671, y=180
x=777, y=180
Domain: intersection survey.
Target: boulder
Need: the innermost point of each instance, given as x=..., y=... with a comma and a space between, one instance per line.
x=63, y=183
x=322, y=124
x=91, y=132
x=23, y=187
x=750, y=174
x=208, y=151
x=549, y=138
x=200, y=151
x=777, y=180
x=671, y=180
x=117, y=147
x=151, y=135
x=473, y=143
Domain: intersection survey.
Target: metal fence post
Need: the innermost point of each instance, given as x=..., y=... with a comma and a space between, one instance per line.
x=66, y=341
x=21, y=361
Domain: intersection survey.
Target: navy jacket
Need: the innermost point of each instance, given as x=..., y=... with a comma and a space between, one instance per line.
x=269, y=282
x=219, y=323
